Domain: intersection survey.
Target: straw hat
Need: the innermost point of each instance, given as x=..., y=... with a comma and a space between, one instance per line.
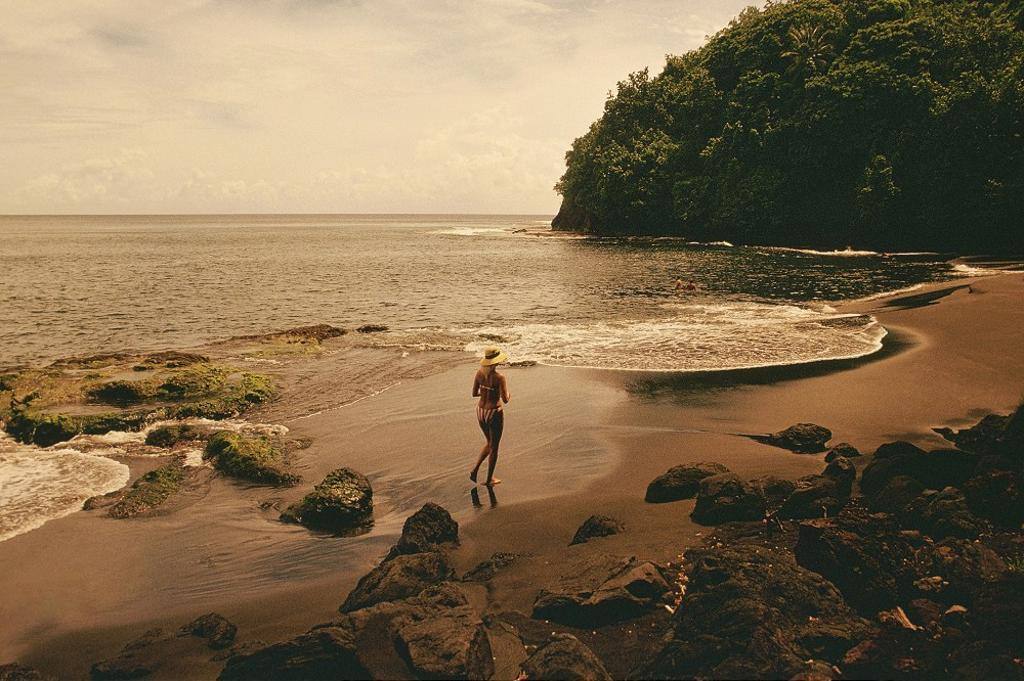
x=493, y=355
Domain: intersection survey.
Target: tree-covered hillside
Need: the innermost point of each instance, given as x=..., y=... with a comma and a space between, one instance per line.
x=889, y=124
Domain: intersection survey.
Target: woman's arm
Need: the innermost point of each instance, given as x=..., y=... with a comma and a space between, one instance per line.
x=476, y=385
x=504, y=390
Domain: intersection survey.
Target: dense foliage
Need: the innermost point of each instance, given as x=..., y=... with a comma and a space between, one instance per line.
x=893, y=124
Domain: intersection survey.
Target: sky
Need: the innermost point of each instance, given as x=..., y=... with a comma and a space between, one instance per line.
x=314, y=106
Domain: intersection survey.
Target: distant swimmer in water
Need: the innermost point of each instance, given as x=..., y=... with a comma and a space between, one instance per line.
x=492, y=389
x=688, y=287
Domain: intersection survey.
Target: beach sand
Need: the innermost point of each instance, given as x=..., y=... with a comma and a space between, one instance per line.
x=578, y=442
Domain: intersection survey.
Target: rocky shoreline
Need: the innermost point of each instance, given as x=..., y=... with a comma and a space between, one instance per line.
x=912, y=569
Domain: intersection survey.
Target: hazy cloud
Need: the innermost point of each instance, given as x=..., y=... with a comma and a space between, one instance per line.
x=314, y=105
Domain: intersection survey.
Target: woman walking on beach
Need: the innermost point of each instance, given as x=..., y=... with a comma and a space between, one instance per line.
x=492, y=389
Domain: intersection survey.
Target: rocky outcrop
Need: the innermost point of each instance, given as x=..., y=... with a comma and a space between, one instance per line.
x=681, y=482
x=256, y=458
x=215, y=629
x=148, y=492
x=342, y=503
x=606, y=590
x=427, y=529
x=842, y=471
x=564, y=657
x=843, y=449
x=596, y=526
x=772, y=490
x=724, y=498
x=323, y=653
x=864, y=555
x=815, y=496
x=750, y=611
x=572, y=218
x=486, y=570
x=400, y=577
x=804, y=438
x=943, y=514
x=19, y=672
x=997, y=495
x=897, y=493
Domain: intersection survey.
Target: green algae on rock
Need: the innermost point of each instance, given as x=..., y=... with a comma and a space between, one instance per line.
x=149, y=491
x=256, y=458
x=342, y=503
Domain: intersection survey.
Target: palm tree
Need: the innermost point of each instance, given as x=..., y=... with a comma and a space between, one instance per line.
x=810, y=48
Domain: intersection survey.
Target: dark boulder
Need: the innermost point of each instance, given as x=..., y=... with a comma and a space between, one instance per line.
x=772, y=490
x=217, y=630
x=842, y=471
x=998, y=610
x=681, y=482
x=844, y=449
x=629, y=589
x=751, y=612
x=342, y=503
x=134, y=661
x=815, y=496
x=724, y=498
x=805, y=438
x=426, y=530
x=323, y=653
x=371, y=328
x=945, y=467
x=997, y=495
x=983, y=437
x=897, y=649
x=890, y=460
x=485, y=570
x=399, y=577
x=897, y=493
x=596, y=526
x=863, y=554
x=943, y=514
x=564, y=658
x=962, y=567
x=440, y=636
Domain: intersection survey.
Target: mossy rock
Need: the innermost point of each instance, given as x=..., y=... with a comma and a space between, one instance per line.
x=197, y=380
x=149, y=491
x=256, y=458
x=170, y=435
x=342, y=503
x=45, y=429
x=123, y=392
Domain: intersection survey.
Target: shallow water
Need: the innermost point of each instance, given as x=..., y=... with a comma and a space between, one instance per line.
x=76, y=285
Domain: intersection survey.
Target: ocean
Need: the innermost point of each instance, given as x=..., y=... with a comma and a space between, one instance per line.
x=76, y=286
x=80, y=285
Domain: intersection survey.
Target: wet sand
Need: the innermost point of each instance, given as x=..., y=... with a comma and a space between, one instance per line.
x=578, y=442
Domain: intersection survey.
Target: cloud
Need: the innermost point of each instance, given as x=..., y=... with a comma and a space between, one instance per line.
x=309, y=105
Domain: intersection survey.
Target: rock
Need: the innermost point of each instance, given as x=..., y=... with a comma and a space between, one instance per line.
x=133, y=662
x=897, y=493
x=399, y=577
x=681, y=482
x=564, y=658
x=772, y=490
x=724, y=498
x=943, y=514
x=751, y=612
x=954, y=616
x=844, y=449
x=170, y=435
x=815, y=496
x=962, y=568
x=890, y=460
x=20, y=672
x=323, y=653
x=426, y=530
x=805, y=438
x=371, y=328
x=981, y=438
x=628, y=590
x=218, y=631
x=486, y=570
x=997, y=495
x=255, y=458
x=862, y=554
x=342, y=503
x=816, y=670
x=441, y=637
x=924, y=611
x=842, y=471
x=897, y=650
x=936, y=469
x=596, y=526
x=998, y=610
x=148, y=492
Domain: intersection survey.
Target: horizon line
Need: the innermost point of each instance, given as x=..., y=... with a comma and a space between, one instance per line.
x=245, y=214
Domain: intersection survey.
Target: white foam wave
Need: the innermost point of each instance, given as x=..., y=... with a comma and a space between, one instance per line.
x=847, y=252
x=460, y=230
x=963, y=270
x=40, y=485
x=702, y=337
x=889, y=294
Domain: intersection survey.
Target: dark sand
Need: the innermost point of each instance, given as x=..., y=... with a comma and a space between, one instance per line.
x=578, y=443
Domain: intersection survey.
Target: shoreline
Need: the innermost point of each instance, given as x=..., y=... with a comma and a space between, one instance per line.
x=640, y=435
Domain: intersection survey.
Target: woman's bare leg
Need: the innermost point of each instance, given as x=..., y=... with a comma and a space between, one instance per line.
x=494, y=440
x=484, y=453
